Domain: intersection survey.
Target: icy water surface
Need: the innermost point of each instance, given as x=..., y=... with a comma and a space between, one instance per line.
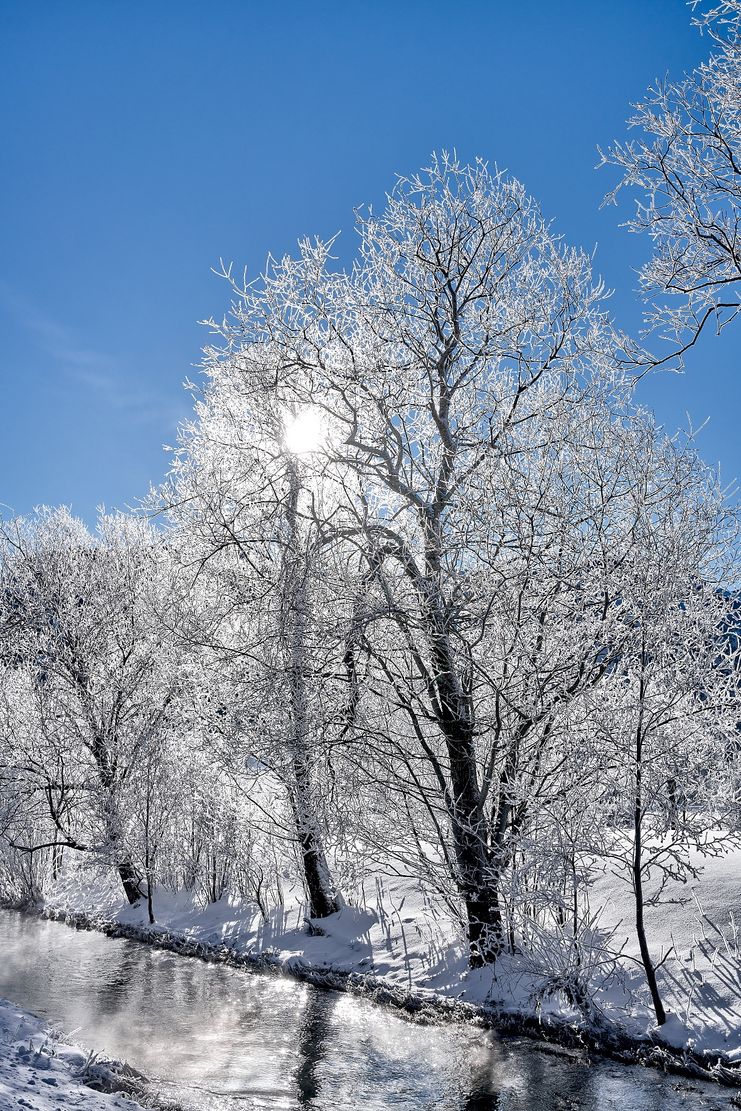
x=216, y=1038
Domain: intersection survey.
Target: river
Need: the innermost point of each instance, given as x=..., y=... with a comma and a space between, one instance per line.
x=221, y=1039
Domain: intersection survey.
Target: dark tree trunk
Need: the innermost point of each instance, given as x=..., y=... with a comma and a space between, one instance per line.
x=673, y=799
x=648, y=965
x=321, y=902
x=470, y=831
x=484, y=928
x=131, y=881
x=453, y=707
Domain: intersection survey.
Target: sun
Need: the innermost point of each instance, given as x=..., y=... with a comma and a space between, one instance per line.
x=303, y=432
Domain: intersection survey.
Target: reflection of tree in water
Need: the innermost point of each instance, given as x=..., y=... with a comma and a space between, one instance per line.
x=484, y=1072
x=553, y=1079
x=114, y=988
x=153, y=985
x=481, y=1101
x=316, y=1027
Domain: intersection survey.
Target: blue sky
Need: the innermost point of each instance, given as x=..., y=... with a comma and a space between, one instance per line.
x=143, y=141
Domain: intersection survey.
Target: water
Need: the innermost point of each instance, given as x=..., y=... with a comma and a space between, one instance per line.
x=219, y=1039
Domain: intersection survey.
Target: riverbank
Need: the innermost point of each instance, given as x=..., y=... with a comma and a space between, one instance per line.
x=215, y=1038
x=41, y=1071
x=389, y=953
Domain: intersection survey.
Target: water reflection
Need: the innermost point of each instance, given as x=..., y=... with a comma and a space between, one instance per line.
x=314, y=1033
x=485, y=1066
x=482, y=1101
x=220, y=1040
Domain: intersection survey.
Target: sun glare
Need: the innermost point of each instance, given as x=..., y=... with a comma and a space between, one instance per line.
x=303, y=432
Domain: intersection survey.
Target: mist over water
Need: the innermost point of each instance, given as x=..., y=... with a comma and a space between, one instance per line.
x=216, y=1038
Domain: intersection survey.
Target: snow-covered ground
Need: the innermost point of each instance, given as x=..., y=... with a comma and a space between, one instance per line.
x=404, y=937
x=698, y=924
x=41, y=1072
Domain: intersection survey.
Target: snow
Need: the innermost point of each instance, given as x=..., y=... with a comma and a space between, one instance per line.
x=41, y=1072
x=699, y=924
x=405, y=938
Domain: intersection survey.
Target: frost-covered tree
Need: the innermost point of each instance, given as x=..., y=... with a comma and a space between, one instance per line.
x=460, y=353
x=685, y=167
x=473, y=470
x=243, y=506
x=93, y=672
x=664, y=719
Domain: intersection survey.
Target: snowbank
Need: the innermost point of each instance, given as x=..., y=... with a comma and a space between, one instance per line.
x=403, y=939
x=698, y=924
x=41, y=1072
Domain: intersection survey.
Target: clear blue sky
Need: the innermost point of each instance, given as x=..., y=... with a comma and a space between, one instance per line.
x=144, y=140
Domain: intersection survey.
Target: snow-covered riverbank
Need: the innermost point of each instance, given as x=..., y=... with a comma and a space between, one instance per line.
x=40, y=1071
x=404, y=948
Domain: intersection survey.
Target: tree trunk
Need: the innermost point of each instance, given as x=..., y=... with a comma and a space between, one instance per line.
x=128, y=874
x=480, y=895
x=648, y=965
x=643, y=943
x=57, y=854
x=131, y=881
x=453, y=708
x=468, y=820
x=324, y=899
